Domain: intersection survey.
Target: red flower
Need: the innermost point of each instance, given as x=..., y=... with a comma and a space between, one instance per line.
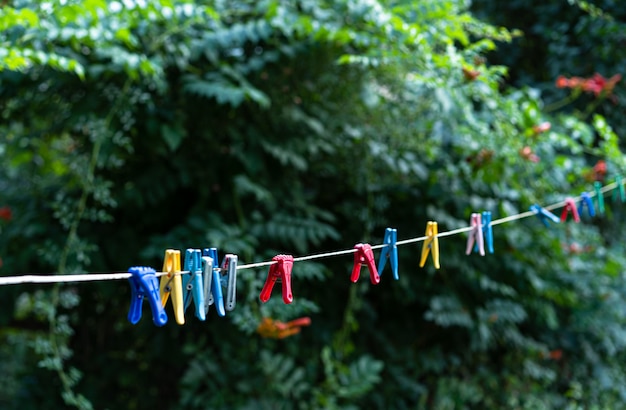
x=5, y=213
x=528, y=154
x=596, y=84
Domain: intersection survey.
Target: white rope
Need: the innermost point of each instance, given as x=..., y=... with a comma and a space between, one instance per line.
x=89, y=277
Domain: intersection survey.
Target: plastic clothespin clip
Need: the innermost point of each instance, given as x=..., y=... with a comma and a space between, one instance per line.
x=229, y=265
x=570, y=206
x=487, y=232
x=364, y=255
x=144, y=284
x=213, y=287
x=390, y=251
x=620, y=189
x=279, y=270
x=544, y=215
x=475, y=234
x=599, y=196
x=171, y=283
x=585, y=200
x=192, y=282
x=431, y=243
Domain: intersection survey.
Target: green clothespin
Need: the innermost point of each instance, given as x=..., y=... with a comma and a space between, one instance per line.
x=620, y=187
x=599, y=197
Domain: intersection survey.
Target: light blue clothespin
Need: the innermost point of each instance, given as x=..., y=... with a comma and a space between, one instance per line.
x=544, y=215
x=585, y=200
x=487, y=232
x=390, y=251
x=192, y=282
x=213, y=292
x=229, y=266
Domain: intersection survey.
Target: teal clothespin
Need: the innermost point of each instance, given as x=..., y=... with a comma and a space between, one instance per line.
x=620, y=189
x=192, y=282
x=599, y=197
x=487, y=232
x=390, y=251
x=544, y=215
x=585, y=200
x=213, y=291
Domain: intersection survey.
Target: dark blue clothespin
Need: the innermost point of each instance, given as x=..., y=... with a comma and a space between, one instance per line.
x=390, y=251
x=487, y=232
x=544, y=215
x=192, y=282
x=229, y=266
x=213, y=288
x=144, y=284
x=585, y=200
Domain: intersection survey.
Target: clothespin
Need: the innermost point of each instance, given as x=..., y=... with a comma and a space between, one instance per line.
x=229, y=265
x=475, y=234
x=364, y=256
x=599, y=196
x=431, y=243
x=390, y=251
x=172, y=284
x=487, y=232
x=145, y=285
x=279, y=270
x=544, y=215
x=619, y=190
x=585, y=200
x=570, y=206
x=192, y=282
x=212, y=286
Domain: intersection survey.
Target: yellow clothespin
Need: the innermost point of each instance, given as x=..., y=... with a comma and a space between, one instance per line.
x=172, y=283
x=431, y=243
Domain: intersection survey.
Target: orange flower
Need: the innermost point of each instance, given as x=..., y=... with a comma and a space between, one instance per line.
x=275, y=329
x=5, y=213
x=469, y=74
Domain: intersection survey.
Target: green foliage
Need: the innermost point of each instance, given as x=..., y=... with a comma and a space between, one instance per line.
x=300, y=127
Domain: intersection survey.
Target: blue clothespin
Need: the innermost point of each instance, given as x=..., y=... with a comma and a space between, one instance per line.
x=390, y=251
x=229, y=265
x=585, y=200
x=487, y=232
x=214, y=290
x=544, y=215
x=192, y=282
x=144, y=284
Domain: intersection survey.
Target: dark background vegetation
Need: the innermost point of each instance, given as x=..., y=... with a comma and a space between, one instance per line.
x=266, y=127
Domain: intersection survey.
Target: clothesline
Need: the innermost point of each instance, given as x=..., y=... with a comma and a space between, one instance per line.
x=89, y=277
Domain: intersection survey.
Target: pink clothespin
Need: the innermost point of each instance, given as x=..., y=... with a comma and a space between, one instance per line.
x=364, y=256
x=279, y=270
x=475, y=234
x=570, y=206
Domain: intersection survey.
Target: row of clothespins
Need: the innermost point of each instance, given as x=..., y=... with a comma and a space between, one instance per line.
x=200, y=280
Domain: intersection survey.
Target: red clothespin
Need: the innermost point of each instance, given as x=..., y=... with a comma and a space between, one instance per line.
x=364, y=256
x=570, y=206
x=279, y=270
